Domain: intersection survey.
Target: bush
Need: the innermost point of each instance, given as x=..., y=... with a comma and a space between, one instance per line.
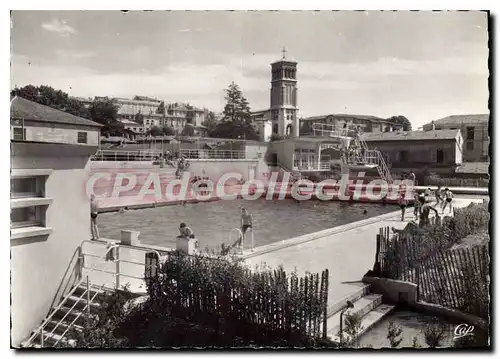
x=434, y=334
x=196, y=301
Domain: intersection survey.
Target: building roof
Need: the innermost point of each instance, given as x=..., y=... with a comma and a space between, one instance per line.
x=22, y=109
x=473, y=167
x=338, y=115
x=259, y=112
x=411, y=135
x=129, y=122
x=461, y=119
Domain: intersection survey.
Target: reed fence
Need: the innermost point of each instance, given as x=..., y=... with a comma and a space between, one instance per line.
x=216, y=291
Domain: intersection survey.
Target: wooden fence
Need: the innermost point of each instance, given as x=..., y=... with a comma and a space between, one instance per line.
x=445, y=276
x=273, y=299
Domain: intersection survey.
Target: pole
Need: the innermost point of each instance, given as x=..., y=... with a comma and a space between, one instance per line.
x=117, y=264
x=341, y=329
x=88, y=295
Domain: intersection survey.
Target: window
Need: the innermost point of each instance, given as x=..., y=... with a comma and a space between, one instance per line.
x=470, y=146
x=440, y=156
x=24, y=187
x=403, y=156
x=470, y=133
x=26, y=217
x=82, y=137
x=28, y=203
x=19, y=133
x=275, y=128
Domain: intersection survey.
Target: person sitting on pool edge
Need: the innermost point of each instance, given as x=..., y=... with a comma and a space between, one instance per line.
x=186, y=232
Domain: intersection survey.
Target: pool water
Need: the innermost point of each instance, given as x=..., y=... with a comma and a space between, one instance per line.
x=412, y=324
x=212, y=221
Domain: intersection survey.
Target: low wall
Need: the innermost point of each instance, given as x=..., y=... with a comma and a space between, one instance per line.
x=402, y=292
x=393, y=291
x=458, y=190
x=451, y=313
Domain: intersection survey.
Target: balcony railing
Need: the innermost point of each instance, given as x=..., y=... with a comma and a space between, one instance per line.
x=122, y=156
x=216, y=154
x=311, y=166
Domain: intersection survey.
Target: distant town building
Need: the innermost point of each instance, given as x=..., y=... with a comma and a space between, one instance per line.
x=475, y=131
x=87, y=101
x=50, y=209
x=141, y=114
x=365, y=123
x=133, y=126
x=128, y=109
x=261, y=122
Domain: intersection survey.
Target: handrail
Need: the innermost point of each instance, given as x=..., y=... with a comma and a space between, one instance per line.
x=78, y=316
x=117, y=260
x=60, y=305
x=70, y=266
x=241, y=236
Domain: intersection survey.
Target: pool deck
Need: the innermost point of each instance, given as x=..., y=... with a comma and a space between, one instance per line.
x=347, y=251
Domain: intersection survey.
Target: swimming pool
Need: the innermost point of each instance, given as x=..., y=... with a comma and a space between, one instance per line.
x=212, y=221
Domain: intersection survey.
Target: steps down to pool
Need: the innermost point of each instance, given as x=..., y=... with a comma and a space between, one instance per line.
x=368, y=305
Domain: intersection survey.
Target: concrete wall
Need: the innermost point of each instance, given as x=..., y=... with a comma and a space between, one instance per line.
x=60, y=133
x=393, y=291
x=39, y=263
x=419, y=152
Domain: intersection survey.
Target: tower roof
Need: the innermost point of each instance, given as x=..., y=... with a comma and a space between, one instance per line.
x=284, y=59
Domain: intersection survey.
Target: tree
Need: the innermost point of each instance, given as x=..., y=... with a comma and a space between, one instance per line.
x=155, y=131
x=48, y=96
x=237, y=108
x=236, y=122
x=104, y=111
x=401, y=120
x=161, y=108
x=139, y=118
x=210, y=123
x=188, y=130
x=168, y=131
x=28, y=92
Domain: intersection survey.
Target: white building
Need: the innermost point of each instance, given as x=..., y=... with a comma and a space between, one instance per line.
x=50, y=210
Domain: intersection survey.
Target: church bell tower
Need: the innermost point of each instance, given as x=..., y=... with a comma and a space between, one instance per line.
x=284, y=97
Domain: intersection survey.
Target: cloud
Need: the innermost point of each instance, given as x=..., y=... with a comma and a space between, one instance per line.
x=190, y=30
x=59, y=26
x=383, y=87
x=73, y=55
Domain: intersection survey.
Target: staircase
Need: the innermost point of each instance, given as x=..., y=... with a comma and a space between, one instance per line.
x=368, y=305
x=67, y=317
x=376, y=158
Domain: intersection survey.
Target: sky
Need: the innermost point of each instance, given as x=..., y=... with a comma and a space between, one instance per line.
x=422, y=65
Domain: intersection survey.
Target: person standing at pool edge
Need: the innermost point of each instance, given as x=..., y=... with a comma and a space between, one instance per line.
x=246, y=222
x=403, y=202
x=94, y=209
x=448, y=198
x=437, y=193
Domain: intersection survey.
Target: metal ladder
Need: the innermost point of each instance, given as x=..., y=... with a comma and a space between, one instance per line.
x=375, y=157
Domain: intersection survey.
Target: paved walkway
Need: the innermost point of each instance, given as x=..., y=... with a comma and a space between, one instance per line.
x=347, y=251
